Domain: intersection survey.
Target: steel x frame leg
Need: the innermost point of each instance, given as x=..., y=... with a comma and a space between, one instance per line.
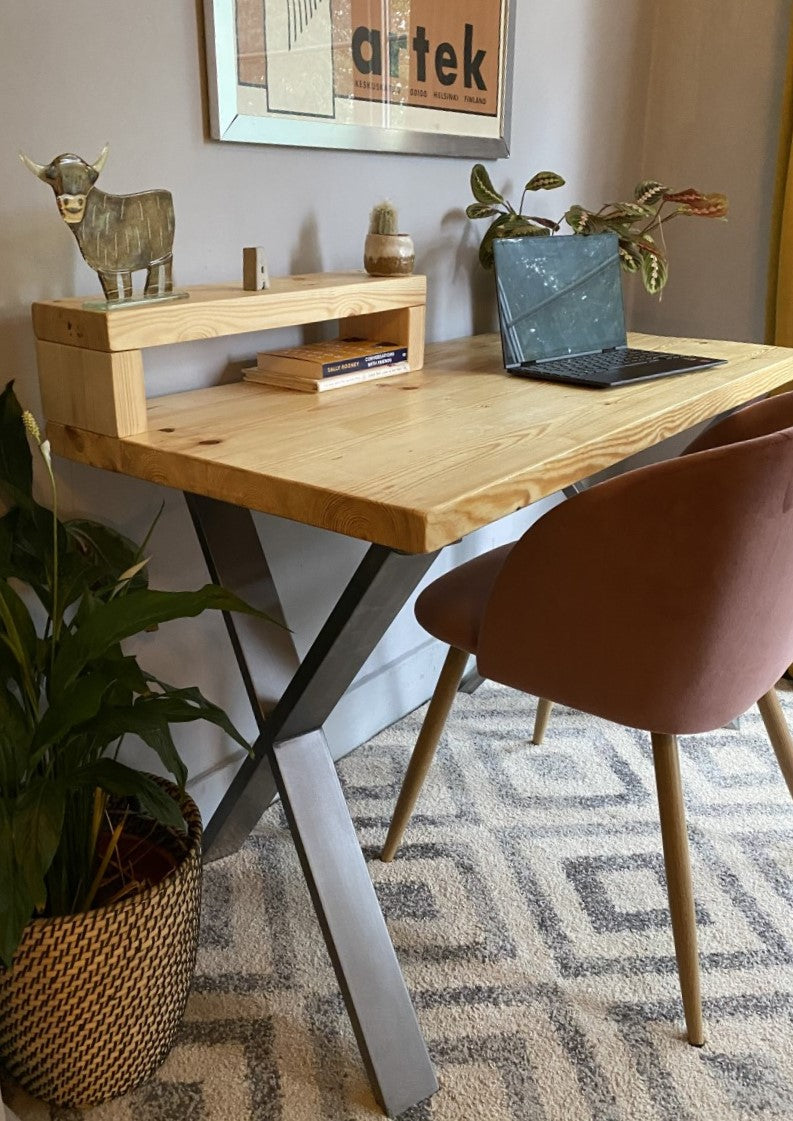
x=292, y=700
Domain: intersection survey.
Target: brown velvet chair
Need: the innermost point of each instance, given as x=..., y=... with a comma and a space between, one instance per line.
x=661, y=599
x=755, y=420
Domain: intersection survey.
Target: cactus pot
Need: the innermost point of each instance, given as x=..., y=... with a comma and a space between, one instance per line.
x=388, y=254
x=91, y=1003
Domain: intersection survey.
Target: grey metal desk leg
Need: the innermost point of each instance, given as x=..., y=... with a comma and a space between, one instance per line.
x=265, y=653
x=471, y=681
x=378, y=1004
x=291, y=754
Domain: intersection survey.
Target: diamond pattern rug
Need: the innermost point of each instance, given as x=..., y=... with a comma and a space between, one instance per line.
x=528, y=910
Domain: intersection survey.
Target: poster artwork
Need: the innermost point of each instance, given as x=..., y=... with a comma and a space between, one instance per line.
x=395, y=65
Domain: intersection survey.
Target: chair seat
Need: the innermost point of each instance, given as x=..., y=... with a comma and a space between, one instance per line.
x=451, y=607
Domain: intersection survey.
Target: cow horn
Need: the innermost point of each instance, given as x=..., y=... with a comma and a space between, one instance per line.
x=100, y=163
x=37, y=168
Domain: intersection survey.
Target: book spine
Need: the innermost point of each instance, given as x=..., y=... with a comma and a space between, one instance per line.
x=382, y=370
x=272, y=362
x=314, y=385
x=364, y=362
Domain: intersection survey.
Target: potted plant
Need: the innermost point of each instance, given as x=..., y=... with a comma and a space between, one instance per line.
x=99, y=862
x=387, y=252
x=638, y=223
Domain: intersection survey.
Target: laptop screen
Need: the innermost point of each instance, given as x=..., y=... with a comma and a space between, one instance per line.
x=558, y=296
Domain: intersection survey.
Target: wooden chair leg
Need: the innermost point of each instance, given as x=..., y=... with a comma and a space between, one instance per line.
x=678, y=880
x=424, y=751
x=541, y=719
x=779, y=734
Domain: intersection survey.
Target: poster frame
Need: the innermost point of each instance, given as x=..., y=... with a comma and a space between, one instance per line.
x=227, y=123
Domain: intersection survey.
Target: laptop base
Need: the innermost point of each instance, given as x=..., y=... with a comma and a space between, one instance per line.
x=613, y=368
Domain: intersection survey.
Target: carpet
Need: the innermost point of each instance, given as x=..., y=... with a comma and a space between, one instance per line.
x=528, y=910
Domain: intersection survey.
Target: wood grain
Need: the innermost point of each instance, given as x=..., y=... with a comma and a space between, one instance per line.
x=213, y=311
x=404, y=326
x=424, y=751
x=417, y=461
x=92, y=389
x=680, y=889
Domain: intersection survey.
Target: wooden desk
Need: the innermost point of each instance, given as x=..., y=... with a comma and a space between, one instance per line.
x=418, y=461
x=408, y=464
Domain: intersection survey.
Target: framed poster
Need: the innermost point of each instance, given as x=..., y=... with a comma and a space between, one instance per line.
x=377, y=75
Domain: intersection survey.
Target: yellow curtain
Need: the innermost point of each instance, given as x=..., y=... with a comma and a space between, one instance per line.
x=779, y=308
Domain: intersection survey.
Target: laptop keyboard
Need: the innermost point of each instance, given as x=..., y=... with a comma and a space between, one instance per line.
x=583, y=364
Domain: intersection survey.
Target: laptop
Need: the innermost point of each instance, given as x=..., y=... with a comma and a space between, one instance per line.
x=562, y=317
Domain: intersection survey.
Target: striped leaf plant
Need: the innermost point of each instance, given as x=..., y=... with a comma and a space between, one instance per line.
x=637, y=223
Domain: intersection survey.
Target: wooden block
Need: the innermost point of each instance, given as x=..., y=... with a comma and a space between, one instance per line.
x=92, y=389
x=213, y=311
x=255, y=276
x=400, y=325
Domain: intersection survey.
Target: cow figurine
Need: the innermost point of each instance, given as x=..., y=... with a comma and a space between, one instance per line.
x=117, y=234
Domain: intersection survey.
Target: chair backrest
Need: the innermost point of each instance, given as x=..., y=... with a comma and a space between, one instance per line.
x=663, y=598
x=759, y=419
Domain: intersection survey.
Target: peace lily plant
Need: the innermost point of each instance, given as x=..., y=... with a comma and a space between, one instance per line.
x=70, y=593
x=637, y=223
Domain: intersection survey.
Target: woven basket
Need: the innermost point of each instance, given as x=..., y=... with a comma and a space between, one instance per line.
x=92, y=1002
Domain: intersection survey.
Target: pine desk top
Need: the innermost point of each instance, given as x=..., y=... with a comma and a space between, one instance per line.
x=417, y=461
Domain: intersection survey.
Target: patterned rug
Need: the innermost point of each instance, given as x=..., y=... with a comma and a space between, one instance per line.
x=528, y=910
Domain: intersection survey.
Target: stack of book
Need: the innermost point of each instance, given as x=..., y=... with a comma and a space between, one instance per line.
x=315, y=367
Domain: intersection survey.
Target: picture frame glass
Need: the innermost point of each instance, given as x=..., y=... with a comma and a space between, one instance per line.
x=390, y=75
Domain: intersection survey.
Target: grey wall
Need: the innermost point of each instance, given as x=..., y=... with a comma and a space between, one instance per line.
x=603, y=93
x=713, y=93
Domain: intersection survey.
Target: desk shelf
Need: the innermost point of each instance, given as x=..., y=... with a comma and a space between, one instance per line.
x=91, y=362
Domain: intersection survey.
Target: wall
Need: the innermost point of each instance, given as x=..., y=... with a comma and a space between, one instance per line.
x=132, y=74
x=713, y=93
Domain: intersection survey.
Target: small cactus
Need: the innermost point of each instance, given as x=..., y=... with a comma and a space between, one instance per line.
x=383, y=219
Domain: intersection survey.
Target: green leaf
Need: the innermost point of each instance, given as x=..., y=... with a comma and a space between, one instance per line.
x=37, y=824
x=149, y=720
x=654, y=269
x=107, y=551
x=151, y=716
x=78, y=702
x=154, y=728
x=629, y=260
x=548, y=223
x=123, y=781
x=110, y=623
x=18, y=634
x=126, y=671
x=517, y=226
x=15, y=734
x=618, y=211
x=481, y=187
x=181, y=705
x=544, y=181
x=486, y=244
x=16, y=461
x=649, y=192
x=26, y=548
x=580, y=220
x=7, y=523
x=16, y=906
x=10, y=669
x=481, y=210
